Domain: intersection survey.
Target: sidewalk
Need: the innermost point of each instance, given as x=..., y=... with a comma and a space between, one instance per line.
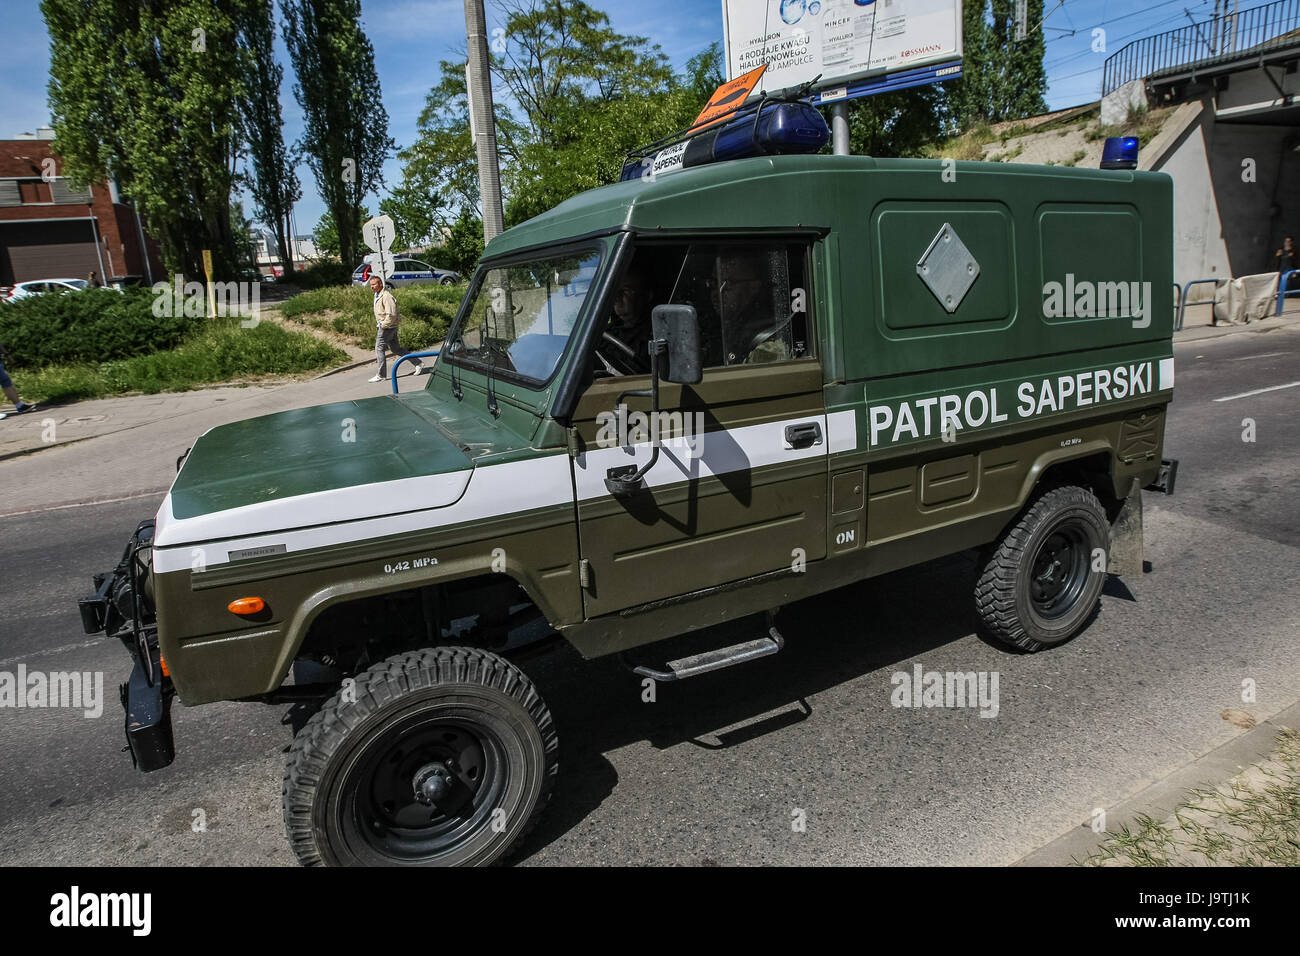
x=1196, y=322
x=1233, y=761
x=111, y=448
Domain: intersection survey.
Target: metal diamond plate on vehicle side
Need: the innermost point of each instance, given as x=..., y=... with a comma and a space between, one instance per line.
x=947, y=268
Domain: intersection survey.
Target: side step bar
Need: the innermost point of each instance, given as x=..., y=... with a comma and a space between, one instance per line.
x=717, y=659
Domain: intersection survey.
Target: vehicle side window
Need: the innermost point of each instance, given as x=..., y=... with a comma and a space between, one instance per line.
x=420, y=266
x=751, y=299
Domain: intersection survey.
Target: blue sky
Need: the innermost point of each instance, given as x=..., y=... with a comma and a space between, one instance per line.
x=410, y=37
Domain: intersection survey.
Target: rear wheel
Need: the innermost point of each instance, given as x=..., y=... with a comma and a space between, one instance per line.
x=439, y=757
x=1042, y=584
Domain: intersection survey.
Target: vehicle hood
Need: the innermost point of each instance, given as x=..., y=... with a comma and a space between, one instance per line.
x=312, y=466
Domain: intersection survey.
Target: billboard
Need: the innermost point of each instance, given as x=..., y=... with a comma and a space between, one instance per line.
x=842, y=40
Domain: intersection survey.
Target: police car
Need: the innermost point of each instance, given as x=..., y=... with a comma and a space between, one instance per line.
x=407, y=271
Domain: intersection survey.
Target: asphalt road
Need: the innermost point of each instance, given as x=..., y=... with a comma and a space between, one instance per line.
x=721, y=769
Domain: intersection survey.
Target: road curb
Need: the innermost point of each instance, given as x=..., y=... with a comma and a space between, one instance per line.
x=1182, y=337
x=1159, y=800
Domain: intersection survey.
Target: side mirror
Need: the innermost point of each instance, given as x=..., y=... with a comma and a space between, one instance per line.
x=680, y=328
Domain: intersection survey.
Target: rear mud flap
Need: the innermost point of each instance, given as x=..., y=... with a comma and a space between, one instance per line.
x=1126, y=536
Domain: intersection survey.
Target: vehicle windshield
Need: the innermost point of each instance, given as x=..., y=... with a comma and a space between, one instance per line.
x=522, y=315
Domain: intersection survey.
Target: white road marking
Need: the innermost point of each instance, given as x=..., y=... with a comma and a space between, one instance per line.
x=1258, y=391
x=1247, y=358
x=84, y=504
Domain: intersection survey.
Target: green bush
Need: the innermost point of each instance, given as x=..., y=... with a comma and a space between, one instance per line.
x=320, y=274
x=220, y=351
x=91, y=326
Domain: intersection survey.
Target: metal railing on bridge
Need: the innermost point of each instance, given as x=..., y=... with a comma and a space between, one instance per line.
x=1236, y=36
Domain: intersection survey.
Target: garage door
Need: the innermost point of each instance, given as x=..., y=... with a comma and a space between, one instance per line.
x=46, y=250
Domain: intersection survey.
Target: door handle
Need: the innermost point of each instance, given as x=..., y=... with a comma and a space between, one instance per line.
x=803, y=435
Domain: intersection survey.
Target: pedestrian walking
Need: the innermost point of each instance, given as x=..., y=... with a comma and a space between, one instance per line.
x=7, y=385
x=387, y=321
x=1285, y=261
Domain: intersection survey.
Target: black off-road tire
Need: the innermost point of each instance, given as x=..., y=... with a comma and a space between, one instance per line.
x=447, y=707
x=1049, y=550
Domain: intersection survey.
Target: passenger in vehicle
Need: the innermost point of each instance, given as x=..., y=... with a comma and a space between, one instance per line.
x=752, y=298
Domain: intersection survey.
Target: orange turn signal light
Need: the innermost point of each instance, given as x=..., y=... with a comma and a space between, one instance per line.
x=246, y=605
x=163, y=664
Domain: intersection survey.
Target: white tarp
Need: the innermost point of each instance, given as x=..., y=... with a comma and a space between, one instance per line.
x=839, y=39
x=1245, y=299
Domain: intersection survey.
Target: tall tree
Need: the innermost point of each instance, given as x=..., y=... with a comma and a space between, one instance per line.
x=578, y=97
x=1023, y=80
x=901, y=123
x=273, y=182
x=346, y=138
x=1002, y=78
x=145, y=92
x=325, y=234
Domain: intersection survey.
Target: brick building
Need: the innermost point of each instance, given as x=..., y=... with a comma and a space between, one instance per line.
x=48, y=230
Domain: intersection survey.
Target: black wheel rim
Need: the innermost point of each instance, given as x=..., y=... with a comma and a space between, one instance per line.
x=1060, y=571
x=381, y=810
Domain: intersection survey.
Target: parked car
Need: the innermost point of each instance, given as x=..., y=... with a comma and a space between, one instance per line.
x=407, y=271
x=40, y=286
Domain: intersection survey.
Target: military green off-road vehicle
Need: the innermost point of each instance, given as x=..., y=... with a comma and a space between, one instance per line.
x=665, y=404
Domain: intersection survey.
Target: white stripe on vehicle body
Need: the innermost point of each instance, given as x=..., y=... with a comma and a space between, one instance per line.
x=354, y=502
x=494, y=490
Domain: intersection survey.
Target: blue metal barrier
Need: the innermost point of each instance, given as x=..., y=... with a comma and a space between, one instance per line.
x=1281, y=288
x=408, y=355
x=1182, y=299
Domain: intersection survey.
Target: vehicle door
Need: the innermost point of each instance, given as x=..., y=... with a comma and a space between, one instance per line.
x=739, y=488
x=422, y=272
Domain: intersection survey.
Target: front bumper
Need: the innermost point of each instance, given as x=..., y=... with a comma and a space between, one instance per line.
x=121, y=607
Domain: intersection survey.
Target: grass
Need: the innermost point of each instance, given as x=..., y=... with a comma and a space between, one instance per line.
x=426, y=312
x=1140, y=122
x=221, y=351
x=1253, y=820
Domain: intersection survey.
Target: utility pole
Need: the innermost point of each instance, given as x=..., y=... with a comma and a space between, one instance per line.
x=478, y=78
x=840, y=128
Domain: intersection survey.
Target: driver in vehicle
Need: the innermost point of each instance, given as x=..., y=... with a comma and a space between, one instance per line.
x=629, y=326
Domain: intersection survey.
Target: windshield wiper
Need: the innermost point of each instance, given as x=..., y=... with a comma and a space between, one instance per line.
x=448, y=347
x=492, y=405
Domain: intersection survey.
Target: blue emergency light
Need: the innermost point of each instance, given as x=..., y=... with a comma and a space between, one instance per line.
x=778, y=128
x=1120, y=152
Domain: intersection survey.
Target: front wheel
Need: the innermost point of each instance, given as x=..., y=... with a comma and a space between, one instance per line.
x=439, y=757
x=1042, y=584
